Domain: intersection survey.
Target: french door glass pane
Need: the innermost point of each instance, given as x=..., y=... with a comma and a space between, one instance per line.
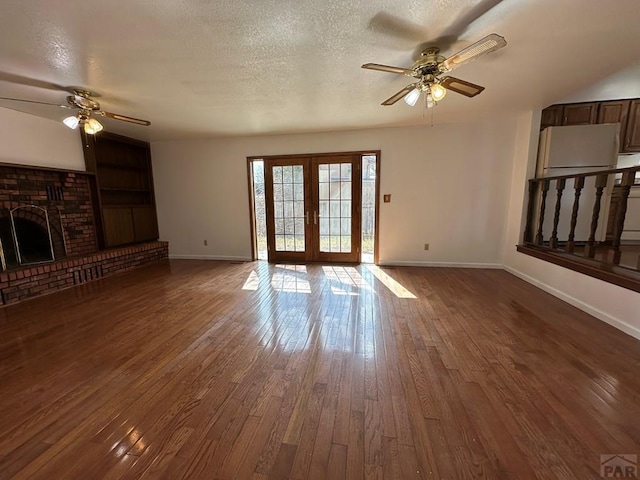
x=334, y=192
x=289, y=208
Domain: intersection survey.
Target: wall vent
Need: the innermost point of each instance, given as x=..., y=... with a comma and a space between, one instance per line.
x=87, y=274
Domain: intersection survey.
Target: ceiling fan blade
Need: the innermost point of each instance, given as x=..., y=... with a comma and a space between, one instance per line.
x=462, y=87
x=34, y=101
x=31, y=82
x=124, y=118
x=401, y=94
x=387, y=68
x=488, y=44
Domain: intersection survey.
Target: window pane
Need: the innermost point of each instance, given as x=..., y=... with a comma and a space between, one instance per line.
x=299, y=243
x=334, y=172
x=346, y=208
x=335, y=190
x=335, y=243
x=324, y=191
x=345, y=173
x=277, y=192
x=345, y=244
x=325, y=244
x=288, y=226
x=277, y=209
x=323, y=173
x=299, y=226
x=298, y=176
x=287, y=189
x=287, y=174
x=345, y=226
x=324, y=208
x=324, y=226
x=279, y=226
x=290, y=243
x=346, y=191
x=335, y=226
x=288, y=209
x=334, y=210
x=298, y=208
x=277, y=174
x=280, y=243
x=298, y=191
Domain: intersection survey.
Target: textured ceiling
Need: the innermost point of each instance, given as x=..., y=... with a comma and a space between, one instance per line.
x=201, y=68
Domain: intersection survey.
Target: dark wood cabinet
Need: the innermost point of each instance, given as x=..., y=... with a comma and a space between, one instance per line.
x=124, y=185
x=616, y=111
x=145, y=223
x=551, y=116
x=118, y=226
x=625, y=112
x=632, y=135
x=580, y=114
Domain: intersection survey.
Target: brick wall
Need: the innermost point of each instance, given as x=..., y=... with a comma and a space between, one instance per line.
x=42, y=279
x=63, y=194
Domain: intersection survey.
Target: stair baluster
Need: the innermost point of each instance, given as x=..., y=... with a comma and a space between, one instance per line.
x=543, y=206
x=578, y=185
x=560, y=184
x=601, y=183
x=628, y=178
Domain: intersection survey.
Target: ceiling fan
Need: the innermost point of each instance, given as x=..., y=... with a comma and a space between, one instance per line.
x=87, y=107
x=428, y=68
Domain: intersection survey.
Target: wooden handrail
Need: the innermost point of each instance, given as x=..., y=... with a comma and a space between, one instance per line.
x=548, y=239
x=588, y=174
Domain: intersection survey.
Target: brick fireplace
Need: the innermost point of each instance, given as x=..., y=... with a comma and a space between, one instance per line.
x=48, y=234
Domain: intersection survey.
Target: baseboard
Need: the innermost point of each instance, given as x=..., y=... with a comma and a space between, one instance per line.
x=585, y=307
x=441, y=264
x=209, y=257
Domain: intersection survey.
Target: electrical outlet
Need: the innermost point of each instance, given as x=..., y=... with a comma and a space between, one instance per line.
x=426, y=246
x=206, y=243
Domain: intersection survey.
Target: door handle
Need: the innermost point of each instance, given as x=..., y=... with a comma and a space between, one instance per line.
x=306, y=215
x=315, y=217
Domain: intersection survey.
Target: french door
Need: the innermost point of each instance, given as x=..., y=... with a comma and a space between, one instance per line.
x=313, y=208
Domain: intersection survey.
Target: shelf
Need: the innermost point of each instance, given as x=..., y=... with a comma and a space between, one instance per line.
x=122, y=167
x=136, y=190
x=127, y=205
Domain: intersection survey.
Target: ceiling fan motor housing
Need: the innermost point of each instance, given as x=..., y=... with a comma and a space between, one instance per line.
x=82, y=99
x=429, y=63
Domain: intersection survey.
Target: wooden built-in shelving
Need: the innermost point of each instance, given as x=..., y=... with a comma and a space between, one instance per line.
x=124, y=188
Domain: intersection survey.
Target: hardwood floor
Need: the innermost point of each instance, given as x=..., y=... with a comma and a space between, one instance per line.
x=206, y=370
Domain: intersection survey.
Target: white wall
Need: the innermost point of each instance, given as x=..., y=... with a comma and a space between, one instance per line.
x=449, y=187
x=31, y=140
x=615, y=305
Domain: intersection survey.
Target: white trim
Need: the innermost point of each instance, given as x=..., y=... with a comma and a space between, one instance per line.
x=174, y=256
x=440, y=264
x=585, y=307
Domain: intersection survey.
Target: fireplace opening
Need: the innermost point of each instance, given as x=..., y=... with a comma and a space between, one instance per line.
x=30, y=235
x=34, y=242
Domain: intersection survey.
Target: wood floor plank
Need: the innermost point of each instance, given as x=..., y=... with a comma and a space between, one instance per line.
x=185, y=370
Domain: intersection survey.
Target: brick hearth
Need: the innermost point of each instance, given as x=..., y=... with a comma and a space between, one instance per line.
x=36, y=280
x=68, y=195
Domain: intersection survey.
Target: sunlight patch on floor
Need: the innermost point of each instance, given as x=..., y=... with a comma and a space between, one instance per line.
x=252, y=282
x=291, y=279
x=349, y=281
x=393, y=285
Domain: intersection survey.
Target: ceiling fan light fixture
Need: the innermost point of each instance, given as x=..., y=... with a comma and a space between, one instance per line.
x=92, y=126
x=430, y=102
x=71, y=122
x=412, y=97
x=437, y=92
